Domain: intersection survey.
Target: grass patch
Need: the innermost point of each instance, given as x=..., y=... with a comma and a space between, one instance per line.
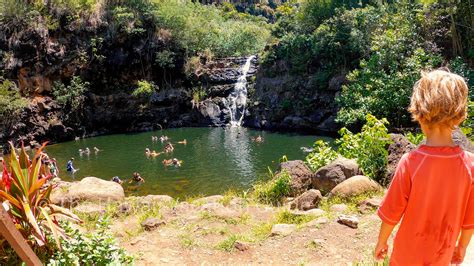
x=286, y=217
x=228, y=243
x=274, y=190
x=242, y=219
x=187, y=241
x=351, y=202
x=261, y=231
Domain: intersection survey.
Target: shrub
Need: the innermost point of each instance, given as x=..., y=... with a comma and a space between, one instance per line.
x=11, y=104
x=71, y=96
x=23, y=187
x=415, y=138
x=321, y=155
x=98, y=248
x=273, y=191
x=144, y=88
x=368, y=147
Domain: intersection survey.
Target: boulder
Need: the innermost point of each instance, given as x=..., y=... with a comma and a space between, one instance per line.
x=354, y=186
x=90, y=208
x=399, y=146
x=282, y=229
x=88, y=189
x=327, y=177
x=151, y=224
x=241, y=246
x=463, y=141
x=350, y=221
x=308, y=200
x=300, y=175
x=369, y=205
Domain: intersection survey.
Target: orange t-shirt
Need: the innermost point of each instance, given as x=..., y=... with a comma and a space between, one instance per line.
x=434, y=192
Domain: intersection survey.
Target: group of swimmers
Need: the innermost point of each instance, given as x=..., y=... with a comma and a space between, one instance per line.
x=87, y=151
x=167, y=149
x=136, y=177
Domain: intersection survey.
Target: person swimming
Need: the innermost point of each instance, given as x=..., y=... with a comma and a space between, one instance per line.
x=96, y=150
x=164, y=138
x=137, y=178
x=175, y=162
x=117, y=180
x=183, y=142
x=258, y=139
x=169, y=147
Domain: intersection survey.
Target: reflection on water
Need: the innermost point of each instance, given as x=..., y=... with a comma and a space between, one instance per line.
x=214, y=159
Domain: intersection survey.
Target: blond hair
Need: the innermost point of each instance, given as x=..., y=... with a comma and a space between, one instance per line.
x=439, y=98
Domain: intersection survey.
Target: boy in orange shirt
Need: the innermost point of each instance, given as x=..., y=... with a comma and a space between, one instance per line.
x=433, y=185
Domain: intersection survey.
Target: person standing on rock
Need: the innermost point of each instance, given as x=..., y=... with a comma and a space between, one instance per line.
x=433, y=186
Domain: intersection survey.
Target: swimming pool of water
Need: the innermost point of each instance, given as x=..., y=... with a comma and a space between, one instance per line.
x=214, y=159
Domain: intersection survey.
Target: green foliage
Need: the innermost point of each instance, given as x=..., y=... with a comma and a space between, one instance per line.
x=383, y=83
x=165, y=59
x=197, y=27
x=144, y=89
x=11, y=103
x=273, y=191
x=368, y=147
x=72, y=95
x=199, y=94
x=321, y=155
x=468, y=125
x=415, y=138
x=98, y=248
x=23, y=186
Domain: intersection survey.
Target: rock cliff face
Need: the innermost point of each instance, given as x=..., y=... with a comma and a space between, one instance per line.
x=293, y=102
x=112, y=63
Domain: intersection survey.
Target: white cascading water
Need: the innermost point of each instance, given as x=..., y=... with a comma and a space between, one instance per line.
x=237, y=100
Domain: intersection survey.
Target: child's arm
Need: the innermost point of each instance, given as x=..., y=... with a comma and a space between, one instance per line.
x=381, y=249
x=463, y=242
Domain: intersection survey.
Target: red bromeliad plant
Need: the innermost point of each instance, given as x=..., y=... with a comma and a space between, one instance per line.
x=23, y=187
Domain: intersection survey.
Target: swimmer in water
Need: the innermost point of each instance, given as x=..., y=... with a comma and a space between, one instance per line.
x=117, y=180
x=169, y=147
x=137, y=178
x=184, y=142
x=147, y=152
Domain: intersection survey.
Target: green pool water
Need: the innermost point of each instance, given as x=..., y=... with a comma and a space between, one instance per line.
x=214, y=159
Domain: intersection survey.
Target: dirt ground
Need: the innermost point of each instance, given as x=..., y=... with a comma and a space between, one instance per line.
x=221, y=231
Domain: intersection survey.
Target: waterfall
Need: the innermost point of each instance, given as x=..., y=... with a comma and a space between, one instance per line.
x=237, y=100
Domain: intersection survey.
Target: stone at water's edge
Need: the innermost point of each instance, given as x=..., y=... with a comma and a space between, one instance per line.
x=300, y=174
x=355, y=186
x=308, y=200
x=88, y=189
x=327, y=177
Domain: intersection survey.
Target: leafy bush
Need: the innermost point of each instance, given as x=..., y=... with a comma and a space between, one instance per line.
x=273, y=191
x=321, y=155
x=21, y=187
x=415, y=138
x=383, y=84
x=11, y=104
x=144, y=88
x=72, y=95
x=98, y=248
x=368, y=147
